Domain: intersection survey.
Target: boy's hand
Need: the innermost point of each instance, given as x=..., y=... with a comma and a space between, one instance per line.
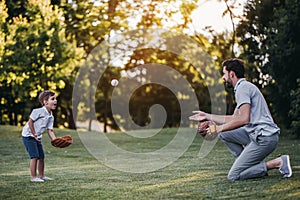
x=36, y=137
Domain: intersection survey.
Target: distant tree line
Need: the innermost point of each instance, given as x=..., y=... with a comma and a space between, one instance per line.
x=44, y=43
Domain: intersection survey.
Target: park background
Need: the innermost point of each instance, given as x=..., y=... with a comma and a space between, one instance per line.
x=44, y=43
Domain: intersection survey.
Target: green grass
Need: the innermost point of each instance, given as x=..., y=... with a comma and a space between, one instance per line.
x=78, y=175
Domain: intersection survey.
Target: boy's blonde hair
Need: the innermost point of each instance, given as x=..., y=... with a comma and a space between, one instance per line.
x=45, y=96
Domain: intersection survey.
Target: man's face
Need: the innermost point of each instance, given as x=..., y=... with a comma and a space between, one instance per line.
x=226, y=78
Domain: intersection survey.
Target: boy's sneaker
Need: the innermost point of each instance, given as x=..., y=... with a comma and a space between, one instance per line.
x=45, y=178
x=286, y=169
x=37, y=180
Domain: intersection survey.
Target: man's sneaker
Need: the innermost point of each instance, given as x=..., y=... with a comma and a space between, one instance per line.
x=45, y=178
x=37, y=180
x=286, y=169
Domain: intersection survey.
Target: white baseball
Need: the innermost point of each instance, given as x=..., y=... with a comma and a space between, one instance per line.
x=114, y=82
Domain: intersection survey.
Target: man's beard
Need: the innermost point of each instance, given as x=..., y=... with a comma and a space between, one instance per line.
x=228, y=84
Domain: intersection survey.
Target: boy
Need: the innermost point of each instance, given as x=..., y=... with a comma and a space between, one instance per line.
x=40, y=119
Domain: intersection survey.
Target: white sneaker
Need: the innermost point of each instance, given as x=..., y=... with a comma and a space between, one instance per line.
x=37, y=180
x=45, y=178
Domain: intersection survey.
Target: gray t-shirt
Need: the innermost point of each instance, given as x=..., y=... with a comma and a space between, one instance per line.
x=261, y=121
x=42, y=120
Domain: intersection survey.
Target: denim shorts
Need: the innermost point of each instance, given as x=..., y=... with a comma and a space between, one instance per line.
x=33, y=147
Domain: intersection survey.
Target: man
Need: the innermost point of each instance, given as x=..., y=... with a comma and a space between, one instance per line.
x=250, y=133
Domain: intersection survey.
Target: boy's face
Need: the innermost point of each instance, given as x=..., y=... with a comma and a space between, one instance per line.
x=51, y=103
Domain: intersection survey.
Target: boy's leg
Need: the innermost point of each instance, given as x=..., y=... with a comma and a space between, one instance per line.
x=33, y=166
x=41, y=166
x=32, y=148
x=250, y=163
x=235, y=140
x=40, y=162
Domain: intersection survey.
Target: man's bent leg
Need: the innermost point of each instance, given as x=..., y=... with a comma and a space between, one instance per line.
x=235, y=140
x=250, y=163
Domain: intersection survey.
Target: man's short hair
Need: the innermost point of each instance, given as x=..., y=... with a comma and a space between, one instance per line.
x=45, y=96
x=235, y=65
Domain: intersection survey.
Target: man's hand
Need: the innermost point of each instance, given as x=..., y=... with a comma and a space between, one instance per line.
x=214, y=130
x=198, y=116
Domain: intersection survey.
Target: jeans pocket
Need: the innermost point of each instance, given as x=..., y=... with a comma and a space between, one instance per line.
x=268, y=141
x=254, y=136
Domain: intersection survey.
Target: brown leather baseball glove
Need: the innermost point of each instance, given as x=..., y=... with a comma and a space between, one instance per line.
x=62, y=142
x=202, y=129
x=203, y=126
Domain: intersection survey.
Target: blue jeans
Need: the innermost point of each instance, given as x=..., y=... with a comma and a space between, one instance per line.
x=33, y=147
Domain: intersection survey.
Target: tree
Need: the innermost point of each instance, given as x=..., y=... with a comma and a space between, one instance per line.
x=44, y=42
x=118, y=17
x=37, y=55
x=3, y=93
x=269, y=36
x=294, y=112
x=169, y=15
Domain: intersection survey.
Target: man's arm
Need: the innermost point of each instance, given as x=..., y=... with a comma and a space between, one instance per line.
x=240, y=118
x=219, y=119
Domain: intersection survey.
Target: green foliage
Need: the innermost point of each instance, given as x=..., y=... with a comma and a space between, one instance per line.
x=270, y=38
x=15, y=8
x=42, y=48
x=90, y=22
x=219, y=47
x=37, y=55
x=140, y=15
x=294, y=112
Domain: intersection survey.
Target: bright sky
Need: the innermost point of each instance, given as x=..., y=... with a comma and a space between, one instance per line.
x=209, y=13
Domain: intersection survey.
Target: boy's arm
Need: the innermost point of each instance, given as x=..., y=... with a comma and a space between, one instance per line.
x=51, y=134
x=31, y=127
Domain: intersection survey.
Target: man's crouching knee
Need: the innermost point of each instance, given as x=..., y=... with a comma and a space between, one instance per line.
x=233, y=177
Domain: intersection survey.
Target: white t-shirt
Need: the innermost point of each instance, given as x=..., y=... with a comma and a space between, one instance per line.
x=42, y=120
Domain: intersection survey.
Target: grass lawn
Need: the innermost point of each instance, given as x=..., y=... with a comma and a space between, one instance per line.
x=78, y=175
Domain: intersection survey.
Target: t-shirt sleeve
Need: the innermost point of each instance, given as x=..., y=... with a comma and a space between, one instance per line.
x=242, y=96
x=34, y=115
